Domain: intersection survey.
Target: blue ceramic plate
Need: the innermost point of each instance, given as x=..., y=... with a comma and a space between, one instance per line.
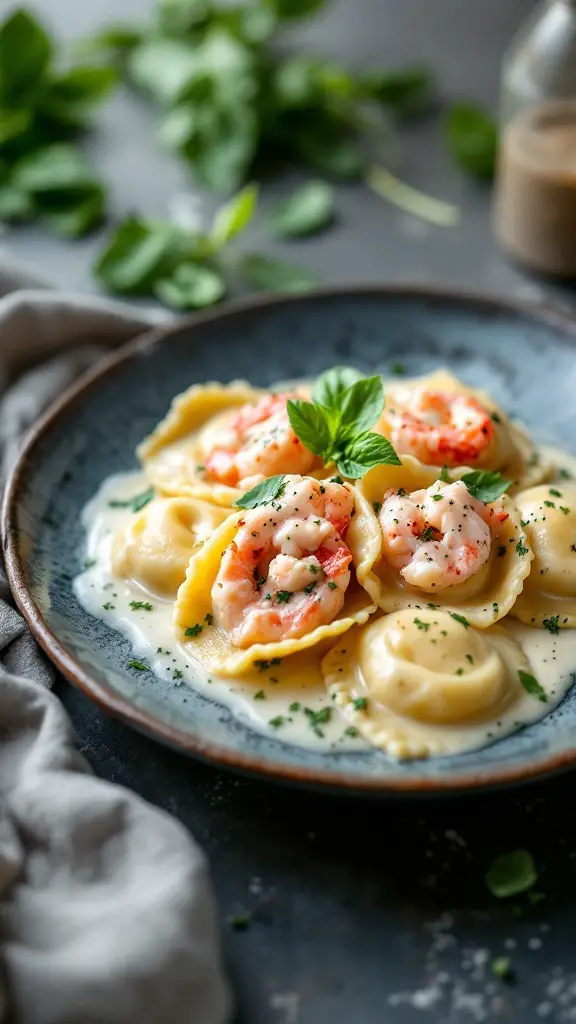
x=525, y=358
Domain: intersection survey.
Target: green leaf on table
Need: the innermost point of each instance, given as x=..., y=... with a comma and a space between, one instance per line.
x=364, y=452
x=192, y=286
x=309, y=424
x=179, y=17
x=486, y=485
x=295, y=8
x=137, y=255
x=309, y=209
x=263, y=493
x=113, y=41
x=163, y=68
x=269, y=274
x=331, y=153
x=15, y=205
x=233, y=217
x=178, y=127
x=511, y=873
x=361, y=406
x=13, y=123
x=223, y=145
x=56, y=168
x=25, y=52
x=295, y=82
x=69, y=98
x=73, y=217
x=472, y=138
x=406, y=91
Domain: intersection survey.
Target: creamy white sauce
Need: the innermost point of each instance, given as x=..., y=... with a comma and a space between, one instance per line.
x=553, y=658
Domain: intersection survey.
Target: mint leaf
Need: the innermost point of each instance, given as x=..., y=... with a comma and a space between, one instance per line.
x=361, y=406
x=274, y=275
x=485, y=485
x=234, y=216
x=308, y=210
x=365, y=452
x=511, y=873
x=532, y=686
x=309, y=424
x=192, y=286
x=137, y=255
x=263, y=493
x=25, y=52
x=329, y=388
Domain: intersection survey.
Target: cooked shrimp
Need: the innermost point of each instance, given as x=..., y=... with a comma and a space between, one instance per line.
x=439, y=428
x=287, y=570
x=258, y=442
x=436, y=537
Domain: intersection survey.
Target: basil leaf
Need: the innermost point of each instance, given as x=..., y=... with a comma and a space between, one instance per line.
x=361, y=406
x=175, y=17
x=330, y=152
x=365, y=452
x=70, y=98
x=57, y=168
x=305, y=212
x=114, y=41
x=295, y=82
x=472, y=138
x=15, y=205
x=309, y=424
x=532, y=686
x=329, y=388
x=459, y=618
x=74, y=218
x=13, y=123
x=179, y=127
x=25, y=52
x=223, y=144
x=511, y=873
x=192, y=286
x=295, y=8
x=263, y=493
x=234, y=216
x=269, y=274
x=163, y=68
x=406, y=91
x=137, y=255
x=485, y=485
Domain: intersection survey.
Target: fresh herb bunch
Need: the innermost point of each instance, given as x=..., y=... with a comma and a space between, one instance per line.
x=190, y=270
x=42, y=108
x=232, y=103
x=472, y=138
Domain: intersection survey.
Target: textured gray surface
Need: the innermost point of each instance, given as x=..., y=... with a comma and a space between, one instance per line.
x=362, y=912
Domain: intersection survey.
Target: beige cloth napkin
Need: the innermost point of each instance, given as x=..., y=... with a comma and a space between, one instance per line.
x=106, y=910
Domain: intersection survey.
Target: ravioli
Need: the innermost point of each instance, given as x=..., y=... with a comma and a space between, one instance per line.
x=173, y=455
x=485, y=597
x=422, y=684
x=508, y=449
x=549, y=595
x=211, y=643
x=154, y=547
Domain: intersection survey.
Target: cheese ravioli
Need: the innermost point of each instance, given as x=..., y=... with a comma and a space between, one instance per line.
x=549, y=595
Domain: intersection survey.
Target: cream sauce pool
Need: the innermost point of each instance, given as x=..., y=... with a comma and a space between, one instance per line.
x=278, y=699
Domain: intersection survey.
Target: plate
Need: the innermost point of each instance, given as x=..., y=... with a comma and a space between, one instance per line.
x=524, y=357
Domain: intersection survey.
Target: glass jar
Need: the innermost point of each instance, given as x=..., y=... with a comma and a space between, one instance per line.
x=535, y=205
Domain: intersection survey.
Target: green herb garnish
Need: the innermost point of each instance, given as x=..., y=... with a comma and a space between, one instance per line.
x=277, y=722
x=137, y=503
x=551, y=624
x=305, y=212
x=143, y=605
x=532, y=686
x=460, y=619
x=520, y=549
x=502, y=967
x=138, y=665
x=284, y=596
x=194, y=630
x=511, y=873
x=263, y=493
x=332, y=585
x=422, y=625
x=485, y=485
x=360, y=703
x=472, y=138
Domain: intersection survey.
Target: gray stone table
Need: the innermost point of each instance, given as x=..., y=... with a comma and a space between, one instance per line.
x=366, y=912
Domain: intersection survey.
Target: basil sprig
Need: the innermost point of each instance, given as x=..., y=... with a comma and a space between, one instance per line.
x=335, y=425
x=485, y=485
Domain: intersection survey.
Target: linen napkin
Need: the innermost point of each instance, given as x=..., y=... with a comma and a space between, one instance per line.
x=106, y=911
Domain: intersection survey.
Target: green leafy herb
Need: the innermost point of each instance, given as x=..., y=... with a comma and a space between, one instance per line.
x=139, y=666
x=551, y=624
x=472, y=138
x=295, y=706
x=141, y=605
x=89, y=563
x=208, y=618
x=335, y=425
x=318, y=718
x=263, y=665
x=460, y=619
x=192, y=286
x=284, y=596
x=233, y=217
x=406, y=91
x=554, y=492
x=194, y=630
x=332, y=585
x=485, y=485
x=260, y=695
x=272, y=275
x=520, y=549
x=277, y=722
x=444, y=475
x=511, y=873
x=351, y=732
x=305, y=212
x=532, y=686
x=360, y=703
x=422, y=625
x=137, y=503
x=108, y=606
x=263, y=493
x=502, y=967
x=565, y=474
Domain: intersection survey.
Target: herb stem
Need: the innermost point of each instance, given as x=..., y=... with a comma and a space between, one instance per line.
x=410, y=199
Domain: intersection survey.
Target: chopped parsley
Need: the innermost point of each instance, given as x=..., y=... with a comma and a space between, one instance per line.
x=532, y=686
x=318, y=718
x=554, y=492
x=470, y=659
x=260, y=695
x=444, y=475
x=108, y=607
x=551, y=624
x=564, y=510
x=89, y=563
x=295, y=706
x=283, y=596
x=138, y=665
x=494, y=416
x=460, y=619
x=336, y=480
x=360, y=703
x=422, y=625
x=141, y=605
x=178, y=674
x=138, y=502
x=428, y=533
x=332, y=585
x=511, y=873
x=565, y=474
x=351, y=732
x=277, y=722
x=459, y=671
x=436, y=497
x=209, y=619
x=520, y=549
x=310, y=587
x=194, y=630
x=550, y=504
x=262, y=665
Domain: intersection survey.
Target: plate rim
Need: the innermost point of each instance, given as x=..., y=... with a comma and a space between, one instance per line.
x=170, y=735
